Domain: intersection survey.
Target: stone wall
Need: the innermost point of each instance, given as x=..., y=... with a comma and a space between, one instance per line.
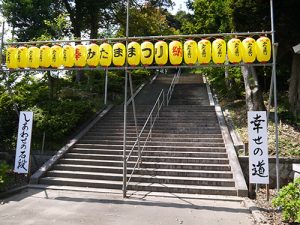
x=285, y=169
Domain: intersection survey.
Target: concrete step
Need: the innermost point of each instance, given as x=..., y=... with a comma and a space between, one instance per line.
x=203, y=160
x=156, y=135
x=158, y=165
x=145, y=171
x=171, y=188
x=153, y=143
x=153, y=139
x=161, y=123
x=162, y=126
x=152, y=147
x=152, y=153
x=143, y=178
x=157, y=129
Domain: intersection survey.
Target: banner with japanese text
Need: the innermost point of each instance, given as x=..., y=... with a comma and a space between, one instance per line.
x=258, y=147
x=23, y=142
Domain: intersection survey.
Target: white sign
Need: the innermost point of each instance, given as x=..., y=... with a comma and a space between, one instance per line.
x=23, y=142
x=258, y=147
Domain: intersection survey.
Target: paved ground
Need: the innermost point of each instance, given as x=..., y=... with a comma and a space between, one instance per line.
x=65, y=207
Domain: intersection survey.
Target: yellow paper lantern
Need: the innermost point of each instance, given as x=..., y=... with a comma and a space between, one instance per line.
x=56, y=56
x=175, y=53
x=93, y=55
x=80, y=55
x=133, y=53
x=234, y=50
x=45, y=56
x=190, y=51
x=161, y=53
x=33, y=57
x=68, y=56
x=263, y=48
x=204, y=51
x=105, y=54
x=22, y=57
x=219, y=51
x=249, y=50
x=119, y=54
x=147, y=53
x=11, y=58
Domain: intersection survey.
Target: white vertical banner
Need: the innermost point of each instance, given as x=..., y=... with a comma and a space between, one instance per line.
x=258, y=147
x=23, y=142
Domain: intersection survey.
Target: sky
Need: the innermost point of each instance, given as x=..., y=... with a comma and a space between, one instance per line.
x=179, y=4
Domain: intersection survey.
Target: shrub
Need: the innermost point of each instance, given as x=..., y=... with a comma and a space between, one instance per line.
x=3, y=173
x=289, y=199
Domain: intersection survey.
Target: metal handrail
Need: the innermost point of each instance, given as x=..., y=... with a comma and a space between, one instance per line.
x=151, y=121
x=171, y=88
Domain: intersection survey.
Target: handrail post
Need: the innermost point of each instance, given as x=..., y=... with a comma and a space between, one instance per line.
x=124, y=140
x=134, y=116
x=125, y=111
x=158, y=104
x=151, y=127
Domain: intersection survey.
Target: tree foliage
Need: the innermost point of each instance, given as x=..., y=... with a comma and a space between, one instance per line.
x=27, y=17
x=208, y=17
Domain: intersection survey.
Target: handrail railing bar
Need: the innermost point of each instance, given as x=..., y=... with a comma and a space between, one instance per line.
x=151, y=129
x=136, y=163
x=142, y=130
x=172, y=85
x=150, y=113
x=159, y=106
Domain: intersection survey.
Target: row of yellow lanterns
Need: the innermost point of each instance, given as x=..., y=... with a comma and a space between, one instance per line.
x=93, y=55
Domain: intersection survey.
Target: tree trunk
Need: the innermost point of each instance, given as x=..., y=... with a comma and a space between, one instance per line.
x=294, y=88
x=94, y=24
x=76, y=20
x=254, y=97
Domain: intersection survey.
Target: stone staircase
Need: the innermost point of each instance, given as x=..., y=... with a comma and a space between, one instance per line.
x=186, y=153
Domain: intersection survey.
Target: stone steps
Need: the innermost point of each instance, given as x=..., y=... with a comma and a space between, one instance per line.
x=153, y=143
x=153, y=187
x=186, y=152
x=146, y=171
x=134, y=158
x=156, y=165
x=206, y=181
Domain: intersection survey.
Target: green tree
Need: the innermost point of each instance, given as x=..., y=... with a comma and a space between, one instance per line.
x=146, y=20
x=26, y=17
x=208, y=17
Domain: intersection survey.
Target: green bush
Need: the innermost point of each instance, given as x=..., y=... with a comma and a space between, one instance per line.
x=289, y=199
x=3, y=173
